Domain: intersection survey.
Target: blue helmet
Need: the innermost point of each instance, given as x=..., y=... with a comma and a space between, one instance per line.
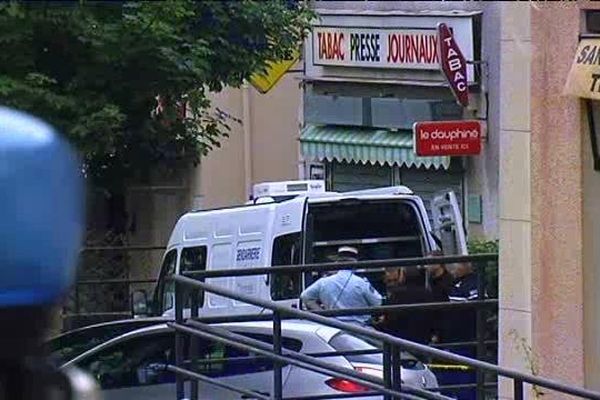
x=41, y=211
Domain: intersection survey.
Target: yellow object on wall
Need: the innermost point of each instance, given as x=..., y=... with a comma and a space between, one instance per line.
x=263, y=82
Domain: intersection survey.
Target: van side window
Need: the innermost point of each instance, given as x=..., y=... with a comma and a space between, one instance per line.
x=286, y=251
x=193, y=259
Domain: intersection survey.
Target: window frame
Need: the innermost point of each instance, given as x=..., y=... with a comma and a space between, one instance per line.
x=228, y=365
x=160, y=287
x=204, y=254
x=295, y=243
x=56, y=347
x=126, y=343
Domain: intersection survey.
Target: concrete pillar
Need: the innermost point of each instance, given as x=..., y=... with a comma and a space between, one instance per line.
x=515, y=222
x=557, y=212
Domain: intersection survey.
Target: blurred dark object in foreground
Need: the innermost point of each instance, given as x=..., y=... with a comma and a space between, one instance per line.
x=41, y=209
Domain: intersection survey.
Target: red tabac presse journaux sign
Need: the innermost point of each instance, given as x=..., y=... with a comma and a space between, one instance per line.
x=448, y=138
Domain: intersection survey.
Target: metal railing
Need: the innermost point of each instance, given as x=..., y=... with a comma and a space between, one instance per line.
x=391, y=386
x=77, y=312
x=481, y=304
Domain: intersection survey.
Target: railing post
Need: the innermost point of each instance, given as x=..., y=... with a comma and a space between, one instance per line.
x=194, y=345
x=480, y=326
x=277, y=371
x=518, y=389
x=396, y=369
x=387, y=368
x=179, y=339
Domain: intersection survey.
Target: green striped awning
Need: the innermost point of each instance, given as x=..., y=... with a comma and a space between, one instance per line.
x=363, y=145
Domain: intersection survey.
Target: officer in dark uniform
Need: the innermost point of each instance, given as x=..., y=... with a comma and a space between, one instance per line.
x=407, y=286
x=465, y=283
x=463, y=322
x=441, y=283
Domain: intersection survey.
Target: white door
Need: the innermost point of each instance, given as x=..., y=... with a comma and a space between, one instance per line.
x=286, y=249
x=448, y=223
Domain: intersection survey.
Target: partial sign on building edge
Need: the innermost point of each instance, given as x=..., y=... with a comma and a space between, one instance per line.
x=584, y=77
x=453, y=65
x=275, y=71
x=448, y=138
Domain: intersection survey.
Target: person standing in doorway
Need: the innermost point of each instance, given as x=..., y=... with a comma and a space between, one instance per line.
x=342, y=290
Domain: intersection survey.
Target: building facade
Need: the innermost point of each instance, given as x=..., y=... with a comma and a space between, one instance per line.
x=549, y=209
x=262, y=146
x=352, y=125
x=371, y=72
x=536, y=176
x=535, y=179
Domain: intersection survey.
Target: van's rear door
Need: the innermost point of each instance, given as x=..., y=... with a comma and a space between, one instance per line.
x=287, y=250
x=448, y=223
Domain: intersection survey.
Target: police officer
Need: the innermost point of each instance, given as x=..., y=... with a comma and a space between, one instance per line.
x=465, y=283
x=463, y=326
x=341, y=290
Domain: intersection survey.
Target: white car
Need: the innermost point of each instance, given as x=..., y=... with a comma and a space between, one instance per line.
x=133, y=365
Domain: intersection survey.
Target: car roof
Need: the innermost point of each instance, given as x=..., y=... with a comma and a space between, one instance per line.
x=324, y=332
x=289, y=326
x=129, y=321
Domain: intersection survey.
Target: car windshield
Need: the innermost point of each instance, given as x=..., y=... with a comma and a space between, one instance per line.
x=65, y=347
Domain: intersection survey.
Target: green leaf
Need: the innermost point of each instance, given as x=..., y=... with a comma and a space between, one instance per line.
x=95, y=69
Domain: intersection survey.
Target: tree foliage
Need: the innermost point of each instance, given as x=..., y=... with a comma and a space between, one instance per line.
x=491, y=272
x=95, y=69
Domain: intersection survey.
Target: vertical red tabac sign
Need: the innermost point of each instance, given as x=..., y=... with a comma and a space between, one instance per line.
x=453, y=64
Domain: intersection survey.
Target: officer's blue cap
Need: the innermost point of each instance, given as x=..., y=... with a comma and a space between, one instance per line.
x=41, y=211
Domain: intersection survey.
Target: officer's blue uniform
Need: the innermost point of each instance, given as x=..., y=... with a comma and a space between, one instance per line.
x=344, y=290
x=464, y=289
x=462, y=329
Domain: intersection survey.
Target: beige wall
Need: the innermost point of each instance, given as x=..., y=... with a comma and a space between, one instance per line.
x=514, y=189
x=219, y=180
x=271, y=136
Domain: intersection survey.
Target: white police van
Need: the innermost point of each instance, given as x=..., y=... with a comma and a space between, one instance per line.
x=298, y=222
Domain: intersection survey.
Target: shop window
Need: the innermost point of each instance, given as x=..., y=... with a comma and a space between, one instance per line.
x=592, y=21
x=426, y=183
x=593, y=115
x=316, y=171
x=347, y=177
